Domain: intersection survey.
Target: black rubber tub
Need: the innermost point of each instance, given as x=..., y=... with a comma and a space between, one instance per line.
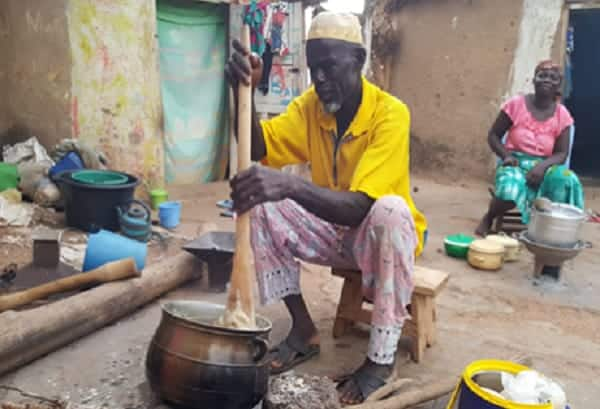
x=94, y=207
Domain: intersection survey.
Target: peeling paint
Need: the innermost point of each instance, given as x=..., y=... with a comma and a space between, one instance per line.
x=536, y=36
x=114, y=63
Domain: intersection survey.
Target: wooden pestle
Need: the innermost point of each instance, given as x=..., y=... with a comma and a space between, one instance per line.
x=240, y=302
x=117, y=270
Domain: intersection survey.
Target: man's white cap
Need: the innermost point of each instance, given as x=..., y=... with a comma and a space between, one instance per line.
x=336, y=26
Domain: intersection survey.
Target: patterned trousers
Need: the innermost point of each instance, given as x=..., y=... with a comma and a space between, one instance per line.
x=382, y=248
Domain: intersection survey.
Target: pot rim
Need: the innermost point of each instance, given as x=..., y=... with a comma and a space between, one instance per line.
x=167, y=309
x=577, y=216
x=65, y=179
x=577, y=246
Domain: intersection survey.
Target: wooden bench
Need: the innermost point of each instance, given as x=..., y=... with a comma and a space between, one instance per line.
x=420, y=328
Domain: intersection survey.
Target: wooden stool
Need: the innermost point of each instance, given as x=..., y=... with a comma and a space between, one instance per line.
x=420, y=329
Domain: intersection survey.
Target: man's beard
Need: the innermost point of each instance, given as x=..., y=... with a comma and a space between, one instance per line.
x=332, y=107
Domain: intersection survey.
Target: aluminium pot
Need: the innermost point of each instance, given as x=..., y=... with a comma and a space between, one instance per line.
x=558, y=226
x=193, y=363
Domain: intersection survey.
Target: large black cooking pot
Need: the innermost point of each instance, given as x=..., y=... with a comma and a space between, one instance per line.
x=195, y=364
x=93, y=207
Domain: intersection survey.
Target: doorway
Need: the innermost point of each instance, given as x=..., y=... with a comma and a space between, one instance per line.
x=583, y=88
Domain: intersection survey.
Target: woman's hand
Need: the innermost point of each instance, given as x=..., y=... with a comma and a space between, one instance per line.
x=535, y=177
x=510, y=161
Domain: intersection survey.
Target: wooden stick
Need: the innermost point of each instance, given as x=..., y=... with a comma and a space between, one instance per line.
x=240, y=290
x=54, y=403
x=28, y=335
x=413, y=396
x=233, y=155
x=117, y=270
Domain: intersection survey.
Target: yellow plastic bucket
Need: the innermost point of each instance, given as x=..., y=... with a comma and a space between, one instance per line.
x=469, y=395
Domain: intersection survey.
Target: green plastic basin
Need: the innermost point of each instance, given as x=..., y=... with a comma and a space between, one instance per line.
x=99, y=177
x=457, y=245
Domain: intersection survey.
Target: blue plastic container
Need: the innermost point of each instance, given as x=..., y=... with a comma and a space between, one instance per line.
x=169, y=214
x=71, y=161
x=104, y=247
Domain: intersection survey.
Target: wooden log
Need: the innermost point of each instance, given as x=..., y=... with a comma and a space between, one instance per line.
x=117, y=270
x=413, y=396
x=28, y=335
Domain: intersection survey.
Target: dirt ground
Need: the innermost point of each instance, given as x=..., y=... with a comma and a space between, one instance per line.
x=480, y=314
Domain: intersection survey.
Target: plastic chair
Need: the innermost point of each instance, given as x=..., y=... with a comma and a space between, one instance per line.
x=571, y=143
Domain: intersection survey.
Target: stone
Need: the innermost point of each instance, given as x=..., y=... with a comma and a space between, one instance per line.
x=291, y=391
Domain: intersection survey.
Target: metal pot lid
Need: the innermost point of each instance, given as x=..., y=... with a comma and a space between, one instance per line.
x=564, y=211
x=504, y=240
x=487, y=246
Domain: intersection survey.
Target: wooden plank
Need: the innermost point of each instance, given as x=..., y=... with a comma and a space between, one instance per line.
x=429, y=281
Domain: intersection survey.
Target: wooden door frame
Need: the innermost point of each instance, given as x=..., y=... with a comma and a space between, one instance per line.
x=568, y=6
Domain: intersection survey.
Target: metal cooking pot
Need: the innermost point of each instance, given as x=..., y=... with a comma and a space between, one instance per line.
x=559, y=225
x=195, y=364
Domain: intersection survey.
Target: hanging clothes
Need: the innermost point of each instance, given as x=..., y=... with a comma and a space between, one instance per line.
x=266, y=74
x=277, y=20
x=255, y=15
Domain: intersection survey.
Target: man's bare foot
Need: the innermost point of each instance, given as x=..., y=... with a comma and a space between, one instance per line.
x=357, y=387
x=485, y=226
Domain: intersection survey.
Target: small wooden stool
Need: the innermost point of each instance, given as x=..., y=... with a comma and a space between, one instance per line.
x=420, y=329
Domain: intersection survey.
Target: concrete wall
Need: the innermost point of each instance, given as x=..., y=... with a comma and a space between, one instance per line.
x=115, y=101
x=452, y=68
x=457, y=61
x=538, y=32
x=86, y=69
x=35, y=72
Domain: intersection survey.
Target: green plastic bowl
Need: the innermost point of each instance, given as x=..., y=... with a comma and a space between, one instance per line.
x=99, y=177
x=457, y=245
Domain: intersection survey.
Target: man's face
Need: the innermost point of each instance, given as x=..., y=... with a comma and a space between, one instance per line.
x=334, y=70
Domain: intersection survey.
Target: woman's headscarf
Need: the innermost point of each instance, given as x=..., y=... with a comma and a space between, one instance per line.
x=549, y=65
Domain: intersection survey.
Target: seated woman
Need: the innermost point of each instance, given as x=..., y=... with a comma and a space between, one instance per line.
x=538, y=127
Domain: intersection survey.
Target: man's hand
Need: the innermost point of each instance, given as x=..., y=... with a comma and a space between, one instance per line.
x=243, y=66
x=510, y=161
x=258, y=185
x=536, y=175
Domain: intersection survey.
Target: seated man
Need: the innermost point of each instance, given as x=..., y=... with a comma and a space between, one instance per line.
x=537, y=146
x=357, y=213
